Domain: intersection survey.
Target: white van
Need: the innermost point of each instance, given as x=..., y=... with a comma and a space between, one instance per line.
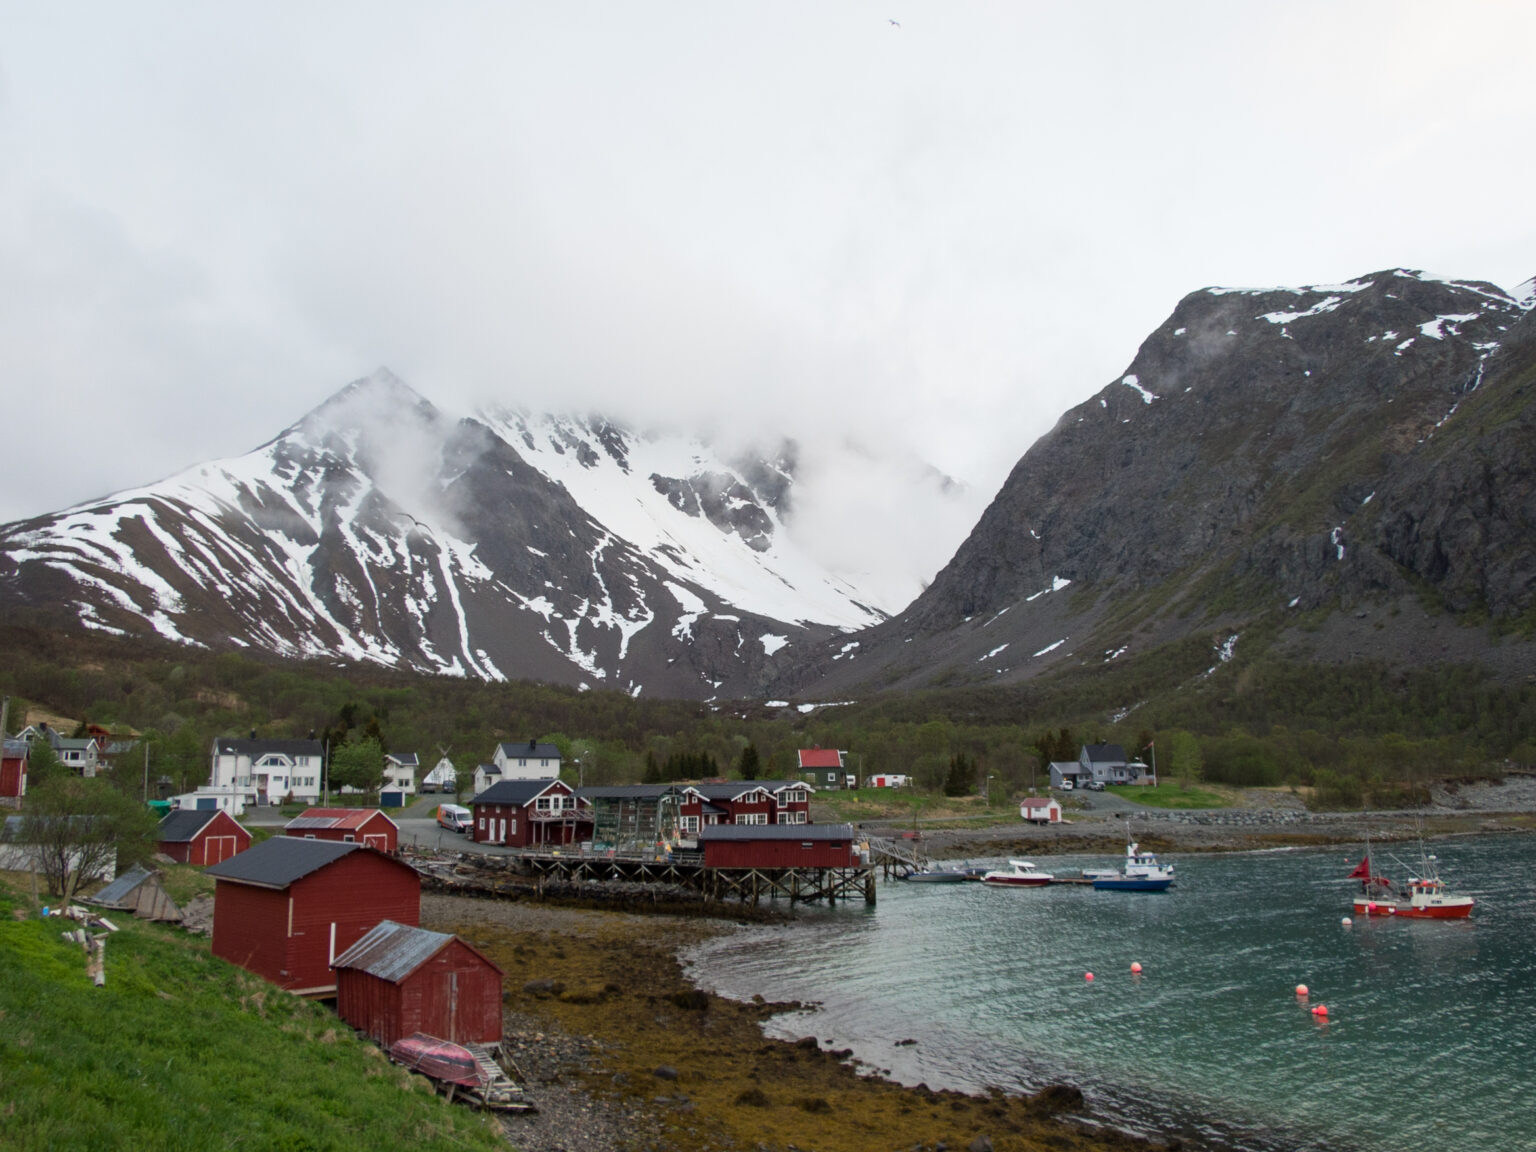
x=454, y=817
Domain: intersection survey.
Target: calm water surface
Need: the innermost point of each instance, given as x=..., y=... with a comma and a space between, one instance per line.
x=1430, y=1043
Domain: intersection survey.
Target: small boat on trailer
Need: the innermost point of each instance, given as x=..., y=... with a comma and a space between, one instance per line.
x=466, y=1072
x=1018, y=874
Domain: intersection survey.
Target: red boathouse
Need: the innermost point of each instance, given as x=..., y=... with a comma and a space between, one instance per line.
x=398, y=980
x=288, y=907
x=201, y=836
x=780, y=846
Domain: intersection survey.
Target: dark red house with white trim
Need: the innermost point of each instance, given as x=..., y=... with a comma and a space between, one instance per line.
x=349, y=825
x=398, y=980
x=780, y=846
x=530, y=814
x=744, y=802
x=201, y=836
x=287, y=907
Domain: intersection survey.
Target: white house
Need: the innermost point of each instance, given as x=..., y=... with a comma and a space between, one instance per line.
x=524, y=761
x=1041, y=810
x=400, y=772
x=485, y=776
x=268, y=771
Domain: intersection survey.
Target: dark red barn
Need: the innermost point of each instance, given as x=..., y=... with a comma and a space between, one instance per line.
x=201, y=836
x=398, y=980
x=780, y=846
x=288, y=907
x=349, y=825
x=13, y=767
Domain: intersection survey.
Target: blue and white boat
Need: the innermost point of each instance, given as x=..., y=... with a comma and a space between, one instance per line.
x=1140, y=873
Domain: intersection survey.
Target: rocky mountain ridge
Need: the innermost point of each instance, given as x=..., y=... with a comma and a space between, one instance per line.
x=1348, y=465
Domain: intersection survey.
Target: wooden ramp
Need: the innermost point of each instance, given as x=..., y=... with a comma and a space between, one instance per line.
x=897, y=857
x=497, y=1091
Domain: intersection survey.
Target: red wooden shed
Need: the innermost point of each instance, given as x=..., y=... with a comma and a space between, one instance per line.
x=398, y=980
x=201, y=836
x=349, y=825
x=780, y=846
x=13, y=767
x=288, y=907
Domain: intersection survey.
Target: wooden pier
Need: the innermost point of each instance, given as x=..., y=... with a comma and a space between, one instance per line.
x=687, y=870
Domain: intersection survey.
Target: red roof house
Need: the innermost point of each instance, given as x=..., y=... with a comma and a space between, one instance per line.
x=1042, y=810
x=201, y=836
x=398, y=980
x=289, y=906
x=823, y=767
x=349, y=825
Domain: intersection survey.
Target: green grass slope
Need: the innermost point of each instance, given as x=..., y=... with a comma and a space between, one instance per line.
x=180, y=1050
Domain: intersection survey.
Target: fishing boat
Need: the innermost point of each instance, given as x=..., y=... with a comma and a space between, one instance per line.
x=1018, y=874
x=1141, y=872
x=1421, y=897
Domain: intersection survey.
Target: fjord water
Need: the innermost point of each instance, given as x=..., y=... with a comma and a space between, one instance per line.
x=1430, y=1041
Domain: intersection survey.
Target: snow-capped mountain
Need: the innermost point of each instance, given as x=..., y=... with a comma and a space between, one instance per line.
x=377, y=529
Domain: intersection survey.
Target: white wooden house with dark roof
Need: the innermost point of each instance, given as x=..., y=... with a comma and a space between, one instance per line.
x=527, y=760
x=268, y=771
x=399, y=779
x=1107, y=764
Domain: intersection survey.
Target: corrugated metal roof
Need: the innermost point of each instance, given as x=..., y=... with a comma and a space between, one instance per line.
x=776, y=832
x=334, y=818
x=392, y=951
x=120, y=888
x=278, y=862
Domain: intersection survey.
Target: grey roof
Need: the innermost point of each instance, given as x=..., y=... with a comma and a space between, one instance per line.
x=404, y=759
x=531, y=749
x=183, y=824
x=513, y=791
x=1105, y=753
x=393, y=951
x=279, y=861
x=776, y=832
x=629, y=792
x=255, y=748
x=14, y=748
x=120, y=888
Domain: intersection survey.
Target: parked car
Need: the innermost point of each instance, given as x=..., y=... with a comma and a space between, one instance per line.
x=1094, y=785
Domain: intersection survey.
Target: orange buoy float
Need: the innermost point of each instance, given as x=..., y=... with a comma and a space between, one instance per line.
x=1346, y=921
x=1136, y=967
x=1301, y=989
x=1088, y=976
x=1320, y=1010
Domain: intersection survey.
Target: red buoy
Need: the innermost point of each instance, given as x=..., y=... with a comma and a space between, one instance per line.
x=1136, y=966
x=1301, y=989
x=1088, y=976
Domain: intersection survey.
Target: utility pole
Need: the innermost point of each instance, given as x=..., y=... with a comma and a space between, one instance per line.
x=146, y=771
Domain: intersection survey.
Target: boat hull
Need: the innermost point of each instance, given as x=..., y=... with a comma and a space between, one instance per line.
x=1449, y=911
x=1016, y=881
x=1131, y=884
x=936, y=877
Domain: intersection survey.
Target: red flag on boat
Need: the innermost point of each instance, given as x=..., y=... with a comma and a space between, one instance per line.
x=1362, y=870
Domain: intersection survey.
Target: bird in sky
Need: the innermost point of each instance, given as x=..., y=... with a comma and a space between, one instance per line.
x=894, y=23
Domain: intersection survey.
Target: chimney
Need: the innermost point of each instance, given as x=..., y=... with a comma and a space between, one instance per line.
x=253, y=733
x=533, y=745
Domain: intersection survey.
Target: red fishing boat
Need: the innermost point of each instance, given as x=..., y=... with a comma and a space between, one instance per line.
x=1421, y=897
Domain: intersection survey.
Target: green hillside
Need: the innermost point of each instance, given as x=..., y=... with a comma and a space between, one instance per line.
x=183, y=1051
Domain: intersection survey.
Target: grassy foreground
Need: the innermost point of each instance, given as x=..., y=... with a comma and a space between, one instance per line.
x=182, y=1051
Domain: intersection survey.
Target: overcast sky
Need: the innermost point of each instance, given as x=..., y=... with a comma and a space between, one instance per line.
x=933, y=224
